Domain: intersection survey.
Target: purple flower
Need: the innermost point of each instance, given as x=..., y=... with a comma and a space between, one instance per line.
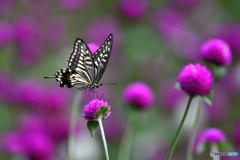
x=37, y=145
x=133, y=9
x=93, y=47
x=213, y=135
x=7, y=33
x=92, y=107
x=71, y=5
x=195, y=80
x=30, y=123
x=236, y=133
x=7, y=93
x=139, y=95
x=216, y=51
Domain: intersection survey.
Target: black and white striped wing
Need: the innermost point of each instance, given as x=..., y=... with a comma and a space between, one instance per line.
x=81, y=62
x=101, y=57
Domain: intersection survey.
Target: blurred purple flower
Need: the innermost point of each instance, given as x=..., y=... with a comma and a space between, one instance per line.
x=7, y=33
x=213, y=135
x=216, y=51
x=139, y=95
x=37, y=145
x=92, y=107
x=29, y=40
x=236, y=133
x=71, y=5
x=195, y=80
x=6, y=6
x=93, y=47
x=134, y=9
x=11, y=143
x=170, y=96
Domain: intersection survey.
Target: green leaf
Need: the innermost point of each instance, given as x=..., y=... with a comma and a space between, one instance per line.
x=178, y=86
x=208, y=99
x=102, y=112
x=218, y=72
x=92, y=126
x=204, y=147
x=225, y=146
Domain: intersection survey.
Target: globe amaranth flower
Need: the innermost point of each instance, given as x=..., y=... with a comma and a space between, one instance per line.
x=139, y=95
x=92, y=108
x=216, y=51
x=213, y=135
x=195, y=80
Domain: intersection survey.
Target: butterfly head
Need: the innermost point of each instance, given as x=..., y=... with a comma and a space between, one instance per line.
x=63, y=77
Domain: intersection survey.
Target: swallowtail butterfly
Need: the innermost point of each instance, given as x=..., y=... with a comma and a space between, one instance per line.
x=84, y=69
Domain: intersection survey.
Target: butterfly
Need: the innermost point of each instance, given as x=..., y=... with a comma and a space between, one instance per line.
x=85, y=70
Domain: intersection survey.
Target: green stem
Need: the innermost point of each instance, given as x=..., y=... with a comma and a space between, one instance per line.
x=179, y=129
x=126, y=143
x=72, y=122
x=214, y=148
x=193, y=131
x=103, y=138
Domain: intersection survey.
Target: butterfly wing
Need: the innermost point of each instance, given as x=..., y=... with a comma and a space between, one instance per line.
x=101, y=57
x=81, y=62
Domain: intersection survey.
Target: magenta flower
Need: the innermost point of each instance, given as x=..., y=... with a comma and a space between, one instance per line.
x=216, y=51
x=139, y=95
x=37, y=145
x=133, y=9
x=195, y=80
x=93, y=47
x=213, y=135
x=92, y=107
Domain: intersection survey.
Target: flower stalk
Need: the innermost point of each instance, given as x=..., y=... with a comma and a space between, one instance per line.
x=170, y=152
x=103, y=137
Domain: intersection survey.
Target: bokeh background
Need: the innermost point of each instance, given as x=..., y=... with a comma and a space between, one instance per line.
x=153, y=40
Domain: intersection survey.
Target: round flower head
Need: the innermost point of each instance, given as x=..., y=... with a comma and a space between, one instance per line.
x=216, y=51
x=195, y=80
x=213, y=135
x=139, y=95
x=92, y=108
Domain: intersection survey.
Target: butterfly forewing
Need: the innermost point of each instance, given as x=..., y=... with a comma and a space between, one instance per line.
x=81, y=61
x=101, y=57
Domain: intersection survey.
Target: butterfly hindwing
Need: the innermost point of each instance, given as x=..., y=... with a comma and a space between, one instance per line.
x=101, y=57
x=81, y=61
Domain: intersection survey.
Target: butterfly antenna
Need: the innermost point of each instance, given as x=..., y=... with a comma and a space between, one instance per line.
x=49, y=77
x=109, y=83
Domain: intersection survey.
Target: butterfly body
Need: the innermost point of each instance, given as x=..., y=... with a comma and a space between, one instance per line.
x=84, y=69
